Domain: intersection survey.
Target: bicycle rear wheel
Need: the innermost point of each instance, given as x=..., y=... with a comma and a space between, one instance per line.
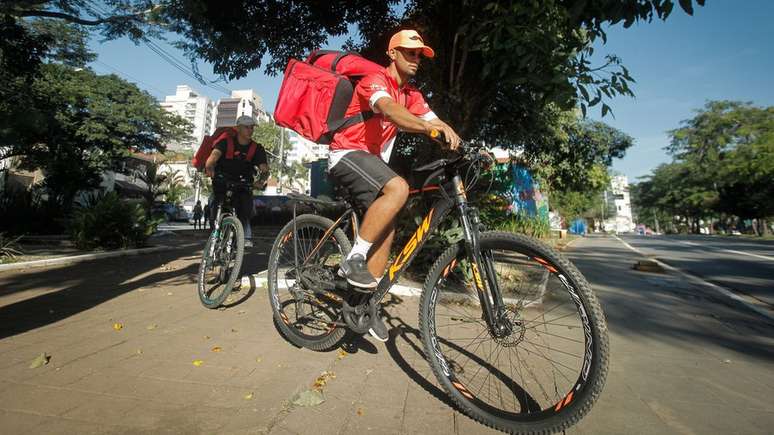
x=304, y=317
x=221, y=262
x=542, y=375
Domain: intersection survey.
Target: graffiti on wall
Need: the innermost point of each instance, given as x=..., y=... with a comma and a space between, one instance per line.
x=525, y=191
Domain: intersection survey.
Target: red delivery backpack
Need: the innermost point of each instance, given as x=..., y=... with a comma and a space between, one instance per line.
x=315, y=93
x=208, y=143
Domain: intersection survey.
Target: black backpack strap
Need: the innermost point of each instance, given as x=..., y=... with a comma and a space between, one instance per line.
x=339, y=55
x=313, y=56
x=344, y=123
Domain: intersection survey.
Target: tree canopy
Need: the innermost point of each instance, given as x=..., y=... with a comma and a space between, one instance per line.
x=506, y=72
x=723, y=164
x=68, y=121
x=498, y=65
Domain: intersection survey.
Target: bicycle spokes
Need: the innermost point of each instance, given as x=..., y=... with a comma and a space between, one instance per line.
x=305, y=268
x=536, y=353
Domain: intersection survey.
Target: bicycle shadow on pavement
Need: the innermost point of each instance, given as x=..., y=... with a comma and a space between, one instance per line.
x=401, y=332
x=411, y=338
x=86, y=285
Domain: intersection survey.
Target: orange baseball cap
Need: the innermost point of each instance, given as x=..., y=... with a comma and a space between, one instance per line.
x=410, y=39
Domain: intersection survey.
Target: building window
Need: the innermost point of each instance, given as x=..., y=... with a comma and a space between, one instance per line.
x=619, y=208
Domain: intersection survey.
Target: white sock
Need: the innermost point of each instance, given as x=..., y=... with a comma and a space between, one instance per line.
x=361, y=247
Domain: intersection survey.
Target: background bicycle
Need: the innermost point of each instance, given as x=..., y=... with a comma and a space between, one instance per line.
x=222, y=255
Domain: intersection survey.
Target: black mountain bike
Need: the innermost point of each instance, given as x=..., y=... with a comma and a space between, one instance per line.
x=511, y=329
x=223, y=252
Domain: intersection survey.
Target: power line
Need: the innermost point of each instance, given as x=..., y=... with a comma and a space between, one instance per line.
x=170, y=59
x=183, y=68
x=118, y=71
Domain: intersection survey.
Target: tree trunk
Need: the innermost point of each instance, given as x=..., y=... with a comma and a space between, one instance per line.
x=764, y=227
x=755, y=227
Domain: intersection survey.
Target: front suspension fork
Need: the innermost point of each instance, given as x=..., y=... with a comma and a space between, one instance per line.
x=487, y=287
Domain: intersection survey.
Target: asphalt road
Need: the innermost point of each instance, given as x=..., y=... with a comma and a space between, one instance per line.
x=742, y=265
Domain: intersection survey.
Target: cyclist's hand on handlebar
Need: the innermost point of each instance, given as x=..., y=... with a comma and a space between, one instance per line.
x=445, y=135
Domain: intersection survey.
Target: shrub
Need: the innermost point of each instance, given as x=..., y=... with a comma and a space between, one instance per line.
x=530, y=226
x=27, y=212
x=107, y=222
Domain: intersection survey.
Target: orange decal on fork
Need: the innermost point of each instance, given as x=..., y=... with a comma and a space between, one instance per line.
x=477, y=277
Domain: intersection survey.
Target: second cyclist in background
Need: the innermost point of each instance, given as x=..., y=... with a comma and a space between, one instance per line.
x=235, y=159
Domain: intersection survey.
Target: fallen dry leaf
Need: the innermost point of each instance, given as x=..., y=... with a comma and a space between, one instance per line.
x=217, y=349
x=198, y=362
x=118, y=326
x=169, y=293
x=139, y=351
x=359, y=412
x=323, y=379
x=41, y=360
x=151, y=327
x=206, y=337
x=342, y=354
x=258, y=359
x=248, y=396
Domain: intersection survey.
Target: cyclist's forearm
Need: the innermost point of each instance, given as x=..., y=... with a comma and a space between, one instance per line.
x=209, y=165
x=401, y=117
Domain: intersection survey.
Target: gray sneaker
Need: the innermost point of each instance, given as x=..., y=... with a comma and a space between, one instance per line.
x=379, y=330
x=356, y=271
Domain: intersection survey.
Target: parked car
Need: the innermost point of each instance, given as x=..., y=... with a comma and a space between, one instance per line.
x=170, y=212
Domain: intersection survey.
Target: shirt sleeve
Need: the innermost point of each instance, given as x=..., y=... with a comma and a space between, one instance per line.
x=371, y=89
x=221, y=146
x=417, y=105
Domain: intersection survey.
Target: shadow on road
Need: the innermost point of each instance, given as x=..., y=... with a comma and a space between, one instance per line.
x=666, y=308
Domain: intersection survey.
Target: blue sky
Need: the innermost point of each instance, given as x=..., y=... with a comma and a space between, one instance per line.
x=724, y=51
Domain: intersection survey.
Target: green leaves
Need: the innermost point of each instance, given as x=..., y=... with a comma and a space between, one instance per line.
x=723, y=163
x=687, y=6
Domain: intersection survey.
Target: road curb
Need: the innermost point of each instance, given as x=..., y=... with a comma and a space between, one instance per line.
x=259, y=280
x=71, y=259
x=724, y=291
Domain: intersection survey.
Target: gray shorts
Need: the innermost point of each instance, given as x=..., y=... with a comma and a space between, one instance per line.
x=362, y=175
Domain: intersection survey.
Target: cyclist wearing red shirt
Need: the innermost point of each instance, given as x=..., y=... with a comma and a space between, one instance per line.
x=358, y=155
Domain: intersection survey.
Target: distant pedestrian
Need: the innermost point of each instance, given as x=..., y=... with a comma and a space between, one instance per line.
x=197, y=216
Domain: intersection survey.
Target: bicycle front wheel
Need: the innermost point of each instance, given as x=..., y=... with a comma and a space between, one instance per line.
x=221, y=262
x=541, y=373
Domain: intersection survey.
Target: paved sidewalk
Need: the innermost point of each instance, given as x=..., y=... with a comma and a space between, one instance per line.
x=123, y=335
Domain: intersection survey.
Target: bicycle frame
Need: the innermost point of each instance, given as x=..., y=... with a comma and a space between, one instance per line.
x=440, y=209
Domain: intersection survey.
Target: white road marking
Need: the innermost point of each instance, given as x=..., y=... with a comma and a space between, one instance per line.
x=763, y=257
x=766, y=313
